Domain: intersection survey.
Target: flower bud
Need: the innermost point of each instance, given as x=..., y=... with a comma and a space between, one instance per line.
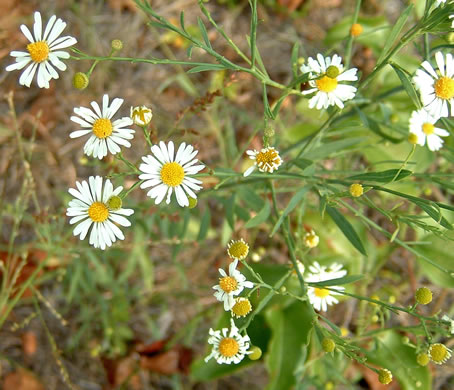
x=116, y=45
x=141, y=116
x=423, y=296
x=80, y=81
x=256, y=353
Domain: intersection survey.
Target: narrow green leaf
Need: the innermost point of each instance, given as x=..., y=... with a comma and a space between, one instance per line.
x=394, y=33
x=189, y=51
x=346, y=228
x=434, y=213
x=294, y=59
x=229, y=211
x=261, y=217
x=203, y=30
x=337, y=282
x=204, y=68
x=326, y=149
x=182, y=21
x=254, y=21
x=302, y=163
x=407, y=84
x=204, y=225
x=266, y=105
x=382, y=176
x=294, y=201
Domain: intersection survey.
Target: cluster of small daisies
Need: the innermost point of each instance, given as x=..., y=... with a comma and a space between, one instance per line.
x=436, y=89
x=228, y=344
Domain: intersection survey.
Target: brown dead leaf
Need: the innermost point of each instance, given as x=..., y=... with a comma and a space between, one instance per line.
x=123, y=5
x=120, y=371
x=21, y=380
x=29, y=343
x=291, y=5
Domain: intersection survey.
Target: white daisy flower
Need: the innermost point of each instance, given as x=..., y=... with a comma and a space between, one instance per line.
x=166, y=172
x=422, y=126
x=43, y=52
x=319, y=297
x=230, y=285
x=97, y=208
x=452, y=17
x=451, y=323
x=329, y=72
x=141, y=115
x=105, y=134
x=228, y=345
x=267, y=160
x=437, y=87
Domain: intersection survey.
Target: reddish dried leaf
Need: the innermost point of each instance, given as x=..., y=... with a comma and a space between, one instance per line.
x=123, y=5
x=21, y=380
x=29, y=343
x=291, y=5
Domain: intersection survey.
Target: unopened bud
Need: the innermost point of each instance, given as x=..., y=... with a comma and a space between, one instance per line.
x=80, y=81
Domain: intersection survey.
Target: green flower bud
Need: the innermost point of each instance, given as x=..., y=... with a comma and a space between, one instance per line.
x=80, y=81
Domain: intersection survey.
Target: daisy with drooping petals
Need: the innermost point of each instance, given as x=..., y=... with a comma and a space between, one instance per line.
x=329, y=72
x=319, y=297
x=228, y=345
x=437, y=87
x=167, y=172
x=422, y=126
x=105, y=134
x=267, y=160
x=97, y=208
x=43, y=52
x=230, y=285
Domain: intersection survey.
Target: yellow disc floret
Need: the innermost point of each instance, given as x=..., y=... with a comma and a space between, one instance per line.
x=423, y=296
x=321, y=292
x=356, y=190
x=102, y=128
x=326, y=84
x=80, y=81
x=228, y=284
x=428, y=128
x=267, y=157
x=242, y=307
x=228, y=347
x=98, y=212
x=238, y=249
x=439, y=353
x=328, y=345
x=444, y=88
x=39, y=51
x=356, y=29
x=385, y=376
x=422, y=359
x=172, y=174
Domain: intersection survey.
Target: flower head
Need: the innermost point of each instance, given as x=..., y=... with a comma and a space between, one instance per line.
x=356, y=190
x=451, y=323
x=237, y=249
x=43, y=51
x=105, y=134
x=228, y=345
x=422, y=125
x=423, y=296
x=320, y=297
x=422, y=359
x=310, y=239
x=92, y=208
x=241, y=308
x=356, y=30
x=328, y=87
x=167, y=172
x=437, y=87
x=141, y=115
x=230, y=285
x=328, y=345
x=439, y=353
x=267, y=160
x=385, y=376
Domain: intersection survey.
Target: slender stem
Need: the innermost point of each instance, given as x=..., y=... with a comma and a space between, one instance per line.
x=348, y=49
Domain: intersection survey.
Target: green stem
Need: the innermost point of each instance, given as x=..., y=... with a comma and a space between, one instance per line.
x=348, y=49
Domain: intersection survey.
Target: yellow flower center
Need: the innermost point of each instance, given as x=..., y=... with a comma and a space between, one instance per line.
x=428, y=128
x=238, y=250
x=102, y=128
x=242, y=307
x=356, y=190
x=228, y=347
x=444, y=88
x=98, y=212
x=311, y=240
x=114, y=202
x=356, y=29
x=228, y=284
x=385, y=376
x=39, y=51
x=326, y=84
x=321, y=292
x=172, y=174
x=438, y=353
x=270, y=156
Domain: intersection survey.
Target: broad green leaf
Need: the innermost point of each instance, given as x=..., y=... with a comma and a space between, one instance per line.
x=338, y=281
x=291, y=328
x=382, y=176
x=206, y=67
x=261, y=217
x=389, y=351
x=390, y=40
x=346, y=228
x=294, y=201
x=407, y=84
